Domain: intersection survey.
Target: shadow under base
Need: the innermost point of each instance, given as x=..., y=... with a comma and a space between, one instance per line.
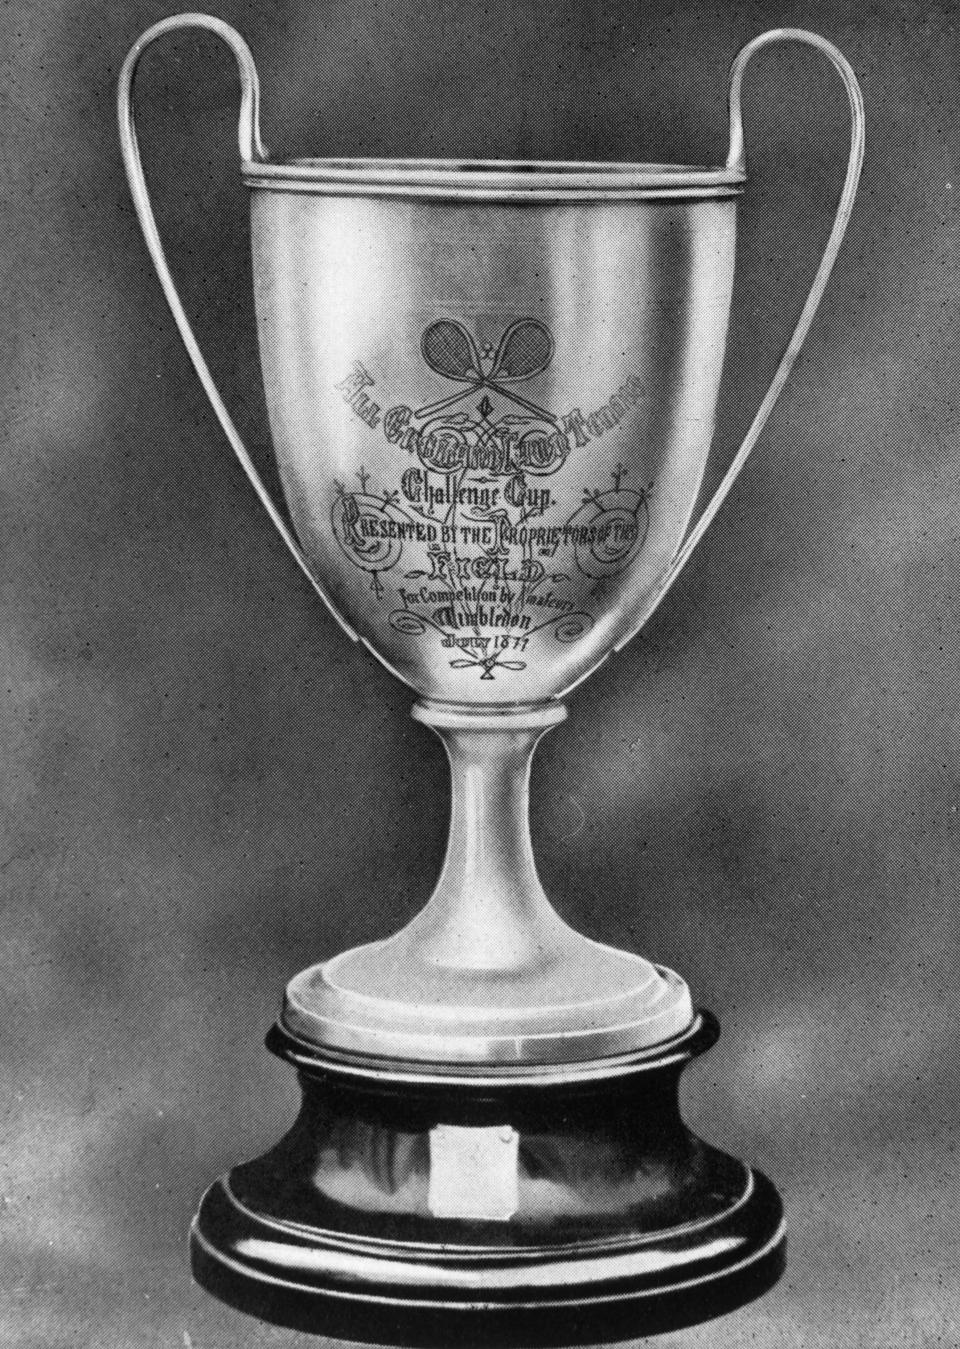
x=528, y=1206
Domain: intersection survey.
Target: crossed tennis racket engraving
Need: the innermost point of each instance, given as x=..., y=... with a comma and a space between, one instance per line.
x=525, y=349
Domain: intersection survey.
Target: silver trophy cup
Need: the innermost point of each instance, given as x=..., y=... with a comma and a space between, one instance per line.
x=491, y=389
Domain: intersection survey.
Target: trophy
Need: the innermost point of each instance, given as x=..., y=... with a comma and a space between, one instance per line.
x=491, y=389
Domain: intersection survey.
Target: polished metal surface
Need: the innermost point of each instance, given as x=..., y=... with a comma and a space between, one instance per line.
x=495, y=180
x=492, y=455
x=487, y=972
x=491, y=391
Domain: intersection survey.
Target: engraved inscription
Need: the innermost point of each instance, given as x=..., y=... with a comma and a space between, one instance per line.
x=487, y=570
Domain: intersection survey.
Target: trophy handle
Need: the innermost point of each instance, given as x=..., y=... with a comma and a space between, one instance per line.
x=251, y=150
x=736, y=159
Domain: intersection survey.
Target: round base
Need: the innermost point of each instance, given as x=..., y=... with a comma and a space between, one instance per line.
x=531, y=1209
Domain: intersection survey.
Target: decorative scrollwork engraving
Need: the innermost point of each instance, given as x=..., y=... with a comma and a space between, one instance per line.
x=610, y=528
x=476, y=507
x=369, y=529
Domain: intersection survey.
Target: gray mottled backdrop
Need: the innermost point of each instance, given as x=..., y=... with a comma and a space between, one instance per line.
x=205, y=787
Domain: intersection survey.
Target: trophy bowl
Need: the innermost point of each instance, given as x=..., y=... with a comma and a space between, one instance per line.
x=492, y=466
x=491, y=389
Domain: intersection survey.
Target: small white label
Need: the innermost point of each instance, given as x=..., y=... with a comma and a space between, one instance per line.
x=474, y=1173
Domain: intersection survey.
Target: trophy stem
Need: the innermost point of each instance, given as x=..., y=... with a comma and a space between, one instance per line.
x=489, y=910
x=487, y=972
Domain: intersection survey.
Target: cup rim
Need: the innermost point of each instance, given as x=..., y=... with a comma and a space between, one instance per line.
x=492, y=179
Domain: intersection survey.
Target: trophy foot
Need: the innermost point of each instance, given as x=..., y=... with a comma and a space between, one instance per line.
x=487, y=972
x=411, y=1204
x=579, y=1001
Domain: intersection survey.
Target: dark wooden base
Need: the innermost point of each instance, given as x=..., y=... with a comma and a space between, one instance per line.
x=624, y=1224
